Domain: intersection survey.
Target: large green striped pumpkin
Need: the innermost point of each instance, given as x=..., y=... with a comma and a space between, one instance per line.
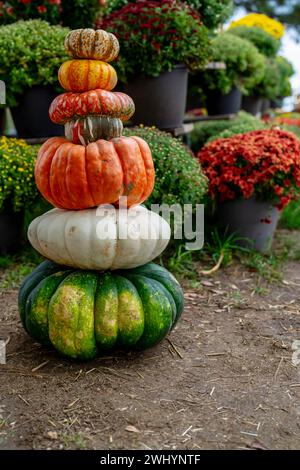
x=84, y=313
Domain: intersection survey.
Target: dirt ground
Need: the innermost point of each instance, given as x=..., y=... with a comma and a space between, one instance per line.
x=224, y=379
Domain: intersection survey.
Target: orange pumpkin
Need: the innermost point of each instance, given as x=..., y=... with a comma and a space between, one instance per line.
x=84, y=75
x=90, y=103
x=75, y=177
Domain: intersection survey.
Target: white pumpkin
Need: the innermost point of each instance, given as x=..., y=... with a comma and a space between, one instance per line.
x=100, y=238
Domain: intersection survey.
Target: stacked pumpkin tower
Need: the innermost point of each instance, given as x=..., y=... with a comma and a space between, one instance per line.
x=98, y=288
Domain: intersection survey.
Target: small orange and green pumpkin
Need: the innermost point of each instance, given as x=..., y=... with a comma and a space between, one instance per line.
x=83, y=75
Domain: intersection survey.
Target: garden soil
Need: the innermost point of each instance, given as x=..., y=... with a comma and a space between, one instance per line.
x=225, y=378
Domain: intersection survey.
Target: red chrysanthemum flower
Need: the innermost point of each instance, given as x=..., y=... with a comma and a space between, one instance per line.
x=263, y=163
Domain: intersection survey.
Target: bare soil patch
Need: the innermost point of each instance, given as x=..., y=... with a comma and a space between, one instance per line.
x=224, y=379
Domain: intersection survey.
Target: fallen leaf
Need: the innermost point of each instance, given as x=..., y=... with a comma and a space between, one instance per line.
x=52, y=435
x=258, y=446
x=131, y=429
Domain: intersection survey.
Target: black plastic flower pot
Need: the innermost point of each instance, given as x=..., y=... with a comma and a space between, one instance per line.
x=160, y=101
x=252, y=104
x=218, y=104
x=253, y=221
x=31, y=117
x=11, y=231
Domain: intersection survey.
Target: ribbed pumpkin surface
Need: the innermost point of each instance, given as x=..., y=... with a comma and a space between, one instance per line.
x=90, y=44
x=83, y=75
x=95, y=102
x=82, y=313
x=72, y=176
x=86, y=130
x=100, y=238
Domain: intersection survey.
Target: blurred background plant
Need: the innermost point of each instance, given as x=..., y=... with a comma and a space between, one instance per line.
x=80, y=13
x=285, y=72
x=14, y=10
x=179, y=176
x=267, y=87
x=212, y=12
x=204, y=132
x=263, y=163
x=154, y=36
x=17, y=184
x=244, y=65
x=267, y=44
x=31, y=54
x=275, y=83
x=75, y=13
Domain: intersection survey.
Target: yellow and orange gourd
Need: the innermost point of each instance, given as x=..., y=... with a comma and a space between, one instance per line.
x=98, y=289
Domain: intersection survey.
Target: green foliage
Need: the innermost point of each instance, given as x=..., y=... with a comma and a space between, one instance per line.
x=212, y=12
x=180, y=262
x=75, y=13
x=79, y=13
x=38, y=207
x=155, y=36
x=266, y=266
x=14, y=10
x=18, y=266
x=285, y=72
x=268, y=87
x=269, y=266
x=266, y=44
x=240, y=128
x=113, y=5
x=244, y=65
x=294, y=129
x=17, y=185
x=276, y=80
x=31, y=54
x=211, y=130
x=290, y=217
x=220, y=246
x=203, y=131
x=14, y=276
x=179, y=177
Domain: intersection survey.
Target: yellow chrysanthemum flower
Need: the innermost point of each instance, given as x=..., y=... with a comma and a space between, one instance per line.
x=17, y=161
x=269, y=25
